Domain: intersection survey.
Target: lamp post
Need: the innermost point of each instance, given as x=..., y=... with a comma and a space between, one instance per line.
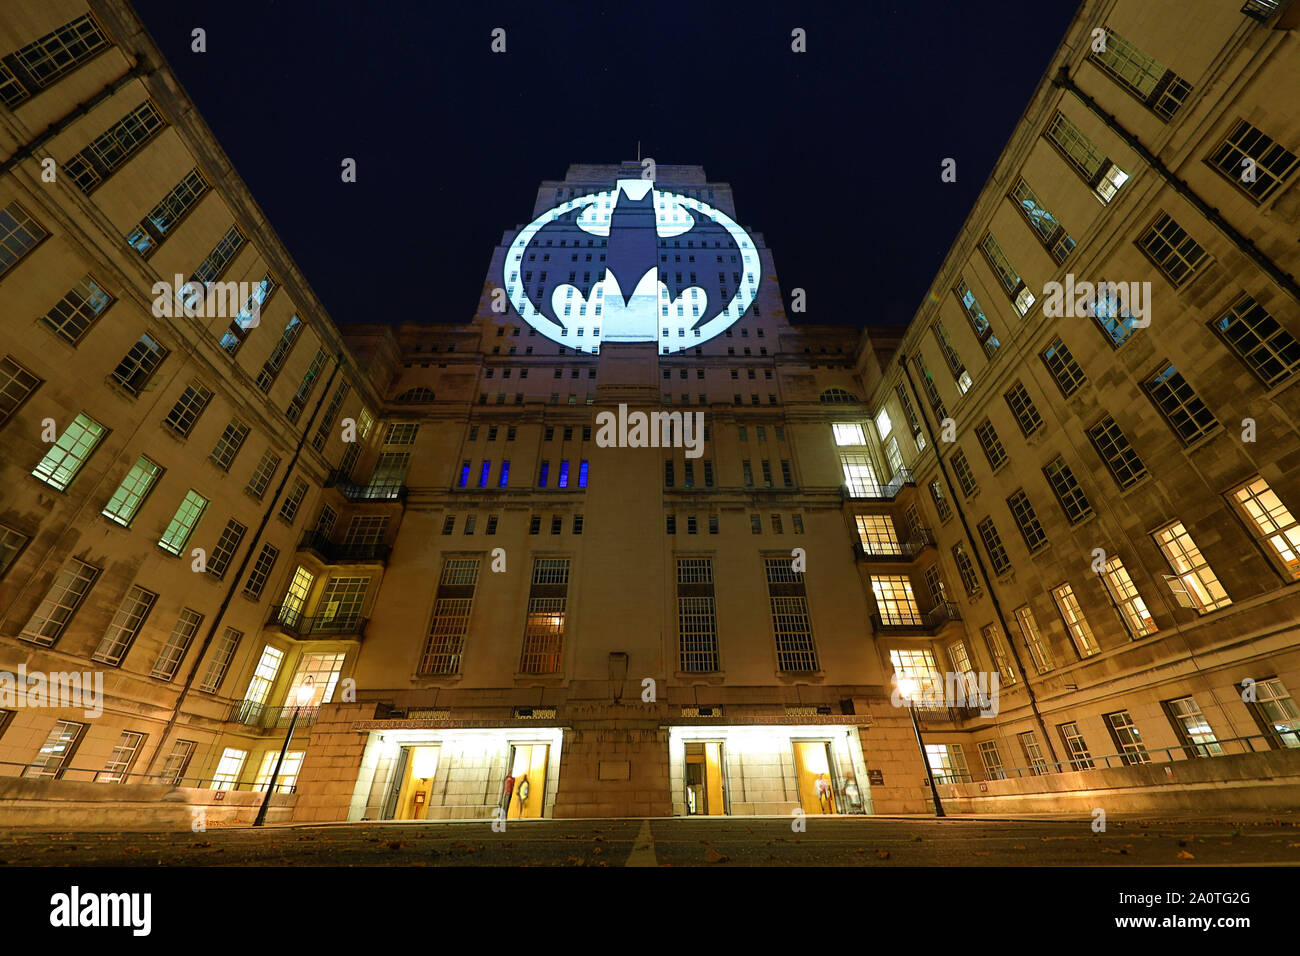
x=304, y=695
x=907, y=688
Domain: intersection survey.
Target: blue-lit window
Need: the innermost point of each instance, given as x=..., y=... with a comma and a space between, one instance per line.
x=504, y=479
x=1117, y=325
x=582, y=473
x=464, y=475
x=140, y=241
x=484, y=473
x=564, y=474
x=543, y=473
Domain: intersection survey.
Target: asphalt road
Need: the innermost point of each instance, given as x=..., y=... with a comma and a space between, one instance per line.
x=734, y=841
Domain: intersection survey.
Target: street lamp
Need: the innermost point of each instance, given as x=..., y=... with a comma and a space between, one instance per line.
x=907, y=688
x=303, y=695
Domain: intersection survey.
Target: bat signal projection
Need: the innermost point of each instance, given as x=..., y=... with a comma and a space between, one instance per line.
x=635, y=264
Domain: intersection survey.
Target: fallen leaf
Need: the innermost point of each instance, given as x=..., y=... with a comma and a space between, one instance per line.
x=1184, y=855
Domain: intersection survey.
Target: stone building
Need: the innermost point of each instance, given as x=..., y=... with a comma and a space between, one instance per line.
x=448, y=550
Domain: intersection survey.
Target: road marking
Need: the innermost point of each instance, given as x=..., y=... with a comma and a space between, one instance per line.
x=643, y=848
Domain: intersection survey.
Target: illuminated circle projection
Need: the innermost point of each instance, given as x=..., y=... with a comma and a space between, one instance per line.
x=616, y=266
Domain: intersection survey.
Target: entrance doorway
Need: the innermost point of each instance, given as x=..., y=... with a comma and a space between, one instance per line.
x=528, y=767
x=413, y=783
x=815, y=769
x=706, y=779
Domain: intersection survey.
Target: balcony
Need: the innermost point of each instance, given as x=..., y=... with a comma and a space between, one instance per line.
x=900, y=551
x=928, y=623
x=320, y=627
x=363, y=552
x=251, y=714
x=375, y=491
x=935, y=714
x=878, y=492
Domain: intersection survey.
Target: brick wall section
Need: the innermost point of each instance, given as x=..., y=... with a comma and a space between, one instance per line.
x=614, y=773
x=332, y=763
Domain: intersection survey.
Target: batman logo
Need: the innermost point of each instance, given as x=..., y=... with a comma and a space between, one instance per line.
x=632, y=264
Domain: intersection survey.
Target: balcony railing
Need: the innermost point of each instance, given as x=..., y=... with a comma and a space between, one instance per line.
x=261, y=715
x=933, y=713
x=927, y=623
x=320, y=626
x=374, y=491
x=366, y=551
x=900, y=551
x=879, y=492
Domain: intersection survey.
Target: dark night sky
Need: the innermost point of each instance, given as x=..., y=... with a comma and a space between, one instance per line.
x=834, y=154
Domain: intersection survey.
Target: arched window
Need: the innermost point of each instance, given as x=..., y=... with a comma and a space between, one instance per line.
x=414, y=396
x=838, y=396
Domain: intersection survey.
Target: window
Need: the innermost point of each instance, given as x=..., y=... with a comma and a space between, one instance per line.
x=1128, y=602
x=293, y=500
x=1116, y=453
x=1076, y=625
x=16, y=386
x=57, y=53
x=225, y=549
x=57, y=750
x=1277, y=712
x=1196, y=584
x=1022, y=407
x=1049, y=232
x=275, y=361
x=1068, y=493
x=263, y=679
x=449, y=623
x=1270, y=162
x=996, y=643
x=11, y=545
x=1271, y=522
x=327, y=418
x=111, y=149
x=74, y=314
x=940, y=501
x=959, y=374
x=308, y=385
x=60, y=603
x=1128, y=741
x=1185, y=413
x=1039, y=650
x=178, y=644
x=876, y=535
x=1076, y=748
x=895, y=601
x=19, y=235
x=993, y=544
x=1034, y=758
x=697, y=626
x=859, y=476
x=883, y=424
x=228, y=445
x=177, y=763
x=1176, y=254
x=931, y=391
x=1160, y=89
x=182, y=524
x=965, y=477
x=70, y=452
x=1268, y=350
x=947, y=763
x=988, y=439
x=222, y=654
x=229, y=767
x=1114, y=320
x=188, y=408
x=257, y=577
x=125, y=626
x=960, y=659
x=1193, y=728
x=1093, y=167
x=1063, y=368
x=966, y=570
x=261, y=478
x=131, y=493
x=845, y=433
x=978, y=323
x=791, y=624
x=992, y=761
x=139, y=364
x=1015, y=286
x=1027, y=520
x=289, y=767
x=184, y=196
x=544, y=624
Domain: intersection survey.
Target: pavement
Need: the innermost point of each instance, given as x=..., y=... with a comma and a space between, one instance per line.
x=1038, y=840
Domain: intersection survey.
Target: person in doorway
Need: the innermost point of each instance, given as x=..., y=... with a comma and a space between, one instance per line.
x=507, y=789
x=524, y=787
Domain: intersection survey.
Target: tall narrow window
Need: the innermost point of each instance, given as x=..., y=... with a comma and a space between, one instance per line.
x=74, y=314
x=697, y=626
x=1076, y=625
x=60, y=603
x=1195, y=584
x=125, y=626
x=1103, y=176
x=132, y=492
x=16, y=386
x=1271, y=522
x=1158, y=88
x=223, y=652
x=70, y=451
x=544, y=624
x=1171, y=250
x=1046, y=228
x=178, y=644
x=1128, y=602
x=1128, y=740
x=1073, y=501
x=1039, y=649
x=1116, y=453
x=791, y=623
x=1016, y=289
x=1268, y=350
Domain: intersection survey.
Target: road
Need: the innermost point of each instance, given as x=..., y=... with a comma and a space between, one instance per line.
x=732, y=841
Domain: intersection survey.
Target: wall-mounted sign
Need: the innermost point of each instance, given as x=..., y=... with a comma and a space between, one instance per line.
x=876, y=778
x=632, y=264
